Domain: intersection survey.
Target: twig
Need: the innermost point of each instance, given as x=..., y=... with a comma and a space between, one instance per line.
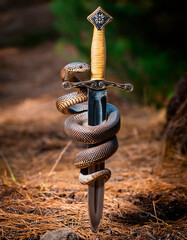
x=9, y=168
x=154, y=207
x=167, y=225
x=59, y=158
x=158, y=219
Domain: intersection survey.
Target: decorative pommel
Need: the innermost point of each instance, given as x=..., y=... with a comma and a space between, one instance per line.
x=99, y=18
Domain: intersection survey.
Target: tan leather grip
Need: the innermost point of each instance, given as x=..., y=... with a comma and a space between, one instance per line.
x=98, y=54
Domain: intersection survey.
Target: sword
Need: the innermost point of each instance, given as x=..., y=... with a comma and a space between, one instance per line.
x=97, y=104
x=97, y=101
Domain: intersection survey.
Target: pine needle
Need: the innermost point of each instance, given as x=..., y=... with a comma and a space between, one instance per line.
x=9, y=168
x=59, y=158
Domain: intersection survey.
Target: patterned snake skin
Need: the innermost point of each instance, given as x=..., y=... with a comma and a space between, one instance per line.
x=76, y=127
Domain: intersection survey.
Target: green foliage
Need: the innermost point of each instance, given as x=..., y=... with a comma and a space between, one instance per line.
x=139, y=46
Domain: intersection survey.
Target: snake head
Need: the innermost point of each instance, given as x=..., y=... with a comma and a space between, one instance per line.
x=71, y=69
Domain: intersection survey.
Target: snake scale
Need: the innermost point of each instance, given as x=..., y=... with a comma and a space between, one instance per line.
x=101, y=138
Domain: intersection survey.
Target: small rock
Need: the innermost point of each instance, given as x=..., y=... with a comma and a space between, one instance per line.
x=63, y=234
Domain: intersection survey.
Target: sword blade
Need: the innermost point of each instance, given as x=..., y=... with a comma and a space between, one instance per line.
x=97, y=101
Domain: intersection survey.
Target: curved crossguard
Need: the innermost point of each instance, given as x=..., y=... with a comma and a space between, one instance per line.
x=97, y=85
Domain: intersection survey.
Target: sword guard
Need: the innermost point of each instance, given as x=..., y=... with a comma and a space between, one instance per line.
x=97, y=85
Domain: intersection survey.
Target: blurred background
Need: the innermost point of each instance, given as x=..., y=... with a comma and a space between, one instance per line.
x=146, y=42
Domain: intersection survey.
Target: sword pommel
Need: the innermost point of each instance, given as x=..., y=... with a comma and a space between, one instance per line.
x=99, y=18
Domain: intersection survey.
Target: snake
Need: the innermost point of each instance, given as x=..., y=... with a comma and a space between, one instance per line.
x=101, y=138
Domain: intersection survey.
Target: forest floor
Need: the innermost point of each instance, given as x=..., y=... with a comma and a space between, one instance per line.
x=39, y=187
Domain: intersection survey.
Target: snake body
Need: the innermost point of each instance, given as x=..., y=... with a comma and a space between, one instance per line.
x=76, y=126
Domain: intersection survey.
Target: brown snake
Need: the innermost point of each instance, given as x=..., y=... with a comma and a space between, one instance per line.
x=76, y=127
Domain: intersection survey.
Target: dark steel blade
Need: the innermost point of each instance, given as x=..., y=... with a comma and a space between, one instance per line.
x=96, y=114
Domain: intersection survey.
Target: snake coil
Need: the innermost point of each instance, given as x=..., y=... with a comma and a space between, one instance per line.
x=76, y=127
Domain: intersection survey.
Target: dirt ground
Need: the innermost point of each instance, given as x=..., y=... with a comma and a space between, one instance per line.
x=39, y=188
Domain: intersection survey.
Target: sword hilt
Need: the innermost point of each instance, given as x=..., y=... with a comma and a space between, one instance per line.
x=99, y=18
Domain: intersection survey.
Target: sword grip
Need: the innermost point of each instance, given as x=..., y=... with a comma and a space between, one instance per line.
x=98, y=54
